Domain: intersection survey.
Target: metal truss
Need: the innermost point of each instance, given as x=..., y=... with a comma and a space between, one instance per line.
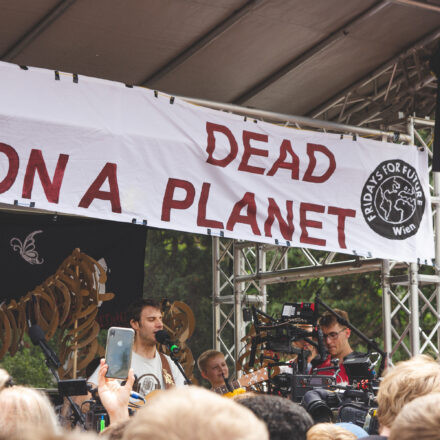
x=411, y=293
x=411, y=298
x=386, y=97
x=233, y=259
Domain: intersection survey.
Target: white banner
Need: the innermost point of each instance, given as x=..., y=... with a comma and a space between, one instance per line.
x=100, y=149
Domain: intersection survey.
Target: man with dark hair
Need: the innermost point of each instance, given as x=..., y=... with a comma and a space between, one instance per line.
x=336, y=335
x=284, y=419
x=153, y=370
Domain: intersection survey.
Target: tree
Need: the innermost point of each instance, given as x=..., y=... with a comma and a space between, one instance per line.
x=28, y=367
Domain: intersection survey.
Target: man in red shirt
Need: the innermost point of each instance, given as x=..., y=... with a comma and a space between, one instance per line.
x=336, y=336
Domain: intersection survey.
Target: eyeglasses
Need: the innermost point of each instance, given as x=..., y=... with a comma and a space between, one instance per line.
x=333, y=335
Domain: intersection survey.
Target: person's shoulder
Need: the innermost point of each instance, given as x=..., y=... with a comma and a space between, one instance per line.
x=159, y=353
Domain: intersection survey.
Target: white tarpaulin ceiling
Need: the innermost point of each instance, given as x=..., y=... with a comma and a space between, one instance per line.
x=98, y=148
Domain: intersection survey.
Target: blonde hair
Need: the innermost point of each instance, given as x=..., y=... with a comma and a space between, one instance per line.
x=38, y=433
x=193, y=413
x=22, y=408
x=328, y=431
x=202, y=361
x=405, y=382
x=115, y=431
x=418, y=419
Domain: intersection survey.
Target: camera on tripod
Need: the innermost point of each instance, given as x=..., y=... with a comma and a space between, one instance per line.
x=318, y=392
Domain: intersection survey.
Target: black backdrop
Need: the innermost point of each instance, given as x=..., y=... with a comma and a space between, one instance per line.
x=28, y=257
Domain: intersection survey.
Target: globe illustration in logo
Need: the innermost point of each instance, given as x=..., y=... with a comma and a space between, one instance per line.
x=395, y=200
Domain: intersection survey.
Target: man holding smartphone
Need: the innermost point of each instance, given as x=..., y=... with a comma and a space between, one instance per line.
x=153, y=370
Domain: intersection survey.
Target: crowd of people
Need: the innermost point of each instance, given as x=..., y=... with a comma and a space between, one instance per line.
x=408, y=400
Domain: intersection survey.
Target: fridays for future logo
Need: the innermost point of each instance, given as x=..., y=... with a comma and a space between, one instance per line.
x=393, y=201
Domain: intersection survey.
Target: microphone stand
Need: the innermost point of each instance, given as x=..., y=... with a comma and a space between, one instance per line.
x=228, y=385
x=176, y=361
x=53, y=363
x=78, y=415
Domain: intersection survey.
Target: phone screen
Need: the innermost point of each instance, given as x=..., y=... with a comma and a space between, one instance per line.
x=118, y=351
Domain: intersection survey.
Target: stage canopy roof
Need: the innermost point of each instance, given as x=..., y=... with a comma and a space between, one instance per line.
x=360, y=62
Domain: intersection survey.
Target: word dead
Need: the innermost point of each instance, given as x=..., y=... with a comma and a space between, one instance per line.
x=318, y=156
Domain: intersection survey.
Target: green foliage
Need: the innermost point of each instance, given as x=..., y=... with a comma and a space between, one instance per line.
x=28, y=366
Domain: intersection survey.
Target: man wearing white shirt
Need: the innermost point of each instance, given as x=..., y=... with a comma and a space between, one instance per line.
x=153, y=370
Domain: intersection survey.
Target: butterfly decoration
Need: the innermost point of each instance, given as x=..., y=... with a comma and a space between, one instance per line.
x=27, y=248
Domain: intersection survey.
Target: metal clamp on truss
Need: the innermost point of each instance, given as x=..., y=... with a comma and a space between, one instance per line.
x=216, y=233
x=282, y=243
x=361, y=254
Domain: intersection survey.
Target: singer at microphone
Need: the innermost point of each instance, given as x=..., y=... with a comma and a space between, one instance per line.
x=154, y=370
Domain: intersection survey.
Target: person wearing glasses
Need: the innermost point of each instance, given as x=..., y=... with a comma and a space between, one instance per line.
x=336, y=336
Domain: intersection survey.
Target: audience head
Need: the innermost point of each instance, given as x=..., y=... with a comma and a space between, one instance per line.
x=36, y=433
x=284, y=418
x=405, y=382
x=329, y=431
x=192, y=413
x=115, y=431
x=419, y=419
x=213, y=367
x=22, y=407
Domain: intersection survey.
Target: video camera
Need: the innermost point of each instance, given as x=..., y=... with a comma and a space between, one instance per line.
x=343, y=404
x=300, y=311
x=278, y=334
x=319, y=394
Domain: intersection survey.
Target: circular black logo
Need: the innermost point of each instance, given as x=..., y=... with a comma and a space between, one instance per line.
x=392, y=200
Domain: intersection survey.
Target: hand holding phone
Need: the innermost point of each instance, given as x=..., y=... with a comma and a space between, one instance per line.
x=118, y=352
x=114, y=396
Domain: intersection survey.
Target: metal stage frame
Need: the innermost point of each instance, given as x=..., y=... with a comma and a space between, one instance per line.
x=411, y=292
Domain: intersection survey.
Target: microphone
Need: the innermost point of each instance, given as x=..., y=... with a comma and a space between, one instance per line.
x=321, y=345
x=163, y=337
x=228, y=385
x=38, y=338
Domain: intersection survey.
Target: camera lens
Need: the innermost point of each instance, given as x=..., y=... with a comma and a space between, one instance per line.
x=314, y=402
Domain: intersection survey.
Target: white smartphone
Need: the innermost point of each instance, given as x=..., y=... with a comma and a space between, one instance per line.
x=118, y=351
